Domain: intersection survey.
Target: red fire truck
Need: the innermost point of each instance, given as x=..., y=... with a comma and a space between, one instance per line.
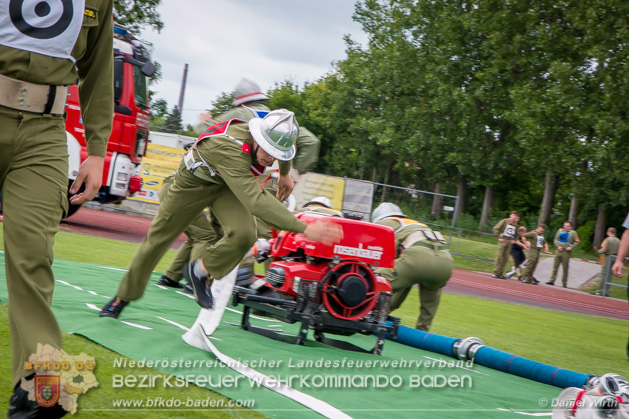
x=129, y=136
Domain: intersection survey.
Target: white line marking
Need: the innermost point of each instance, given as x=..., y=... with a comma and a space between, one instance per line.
x=251, y=315
x=174, y=323
x=113, y=269
x=139, y=326
x=525, y=413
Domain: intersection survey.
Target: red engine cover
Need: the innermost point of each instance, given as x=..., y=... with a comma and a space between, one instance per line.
x=364, y=242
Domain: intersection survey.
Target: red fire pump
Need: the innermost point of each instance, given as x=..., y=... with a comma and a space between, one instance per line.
x=330, y=289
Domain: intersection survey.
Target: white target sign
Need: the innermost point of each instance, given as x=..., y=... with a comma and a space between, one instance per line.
x=48, y=27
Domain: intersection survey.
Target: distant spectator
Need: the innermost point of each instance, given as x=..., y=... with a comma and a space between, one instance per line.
x=536, y=238
x=609, y=247
x=517, y=254
x=566, y=239
x=505, y=231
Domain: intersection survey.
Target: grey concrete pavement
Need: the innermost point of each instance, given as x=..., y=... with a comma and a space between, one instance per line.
x=579, y=272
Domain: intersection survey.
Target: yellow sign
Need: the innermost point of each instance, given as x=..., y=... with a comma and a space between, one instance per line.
x=312, y=185
x=159, y=163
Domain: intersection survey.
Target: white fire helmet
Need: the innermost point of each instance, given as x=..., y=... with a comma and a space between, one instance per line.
x=320, y=200
x=247, y=91
x=276, y=133
x=384, y=210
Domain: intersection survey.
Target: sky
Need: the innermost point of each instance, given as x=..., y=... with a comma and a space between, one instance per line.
x=268, y=41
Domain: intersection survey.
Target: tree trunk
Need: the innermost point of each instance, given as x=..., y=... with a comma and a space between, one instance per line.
x=601, y=227
x=461, y=191
x=437, y=201
x=387, y=174
x=574, y=210
x=550, y=189
x=488, y=202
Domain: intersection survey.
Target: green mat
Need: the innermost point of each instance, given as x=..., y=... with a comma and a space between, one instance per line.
x=404, y=381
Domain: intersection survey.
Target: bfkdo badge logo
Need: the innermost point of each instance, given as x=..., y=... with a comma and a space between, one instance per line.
x=47, y=389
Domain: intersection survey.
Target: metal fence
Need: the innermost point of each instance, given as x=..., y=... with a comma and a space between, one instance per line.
x=438, y=211
x=608, y=277
x=361, y=197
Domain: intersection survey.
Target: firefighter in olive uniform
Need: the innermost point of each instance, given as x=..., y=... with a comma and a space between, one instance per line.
x=250, y=102
x=506, y=232
x=609, y=248
x=538, y=242
x=219, y=172
x=566, y=239
x=43, y=50
x=421, y=258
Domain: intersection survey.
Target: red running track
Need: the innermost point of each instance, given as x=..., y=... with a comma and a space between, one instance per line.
x=133, y=228
x=111, y=225
x=481, y=284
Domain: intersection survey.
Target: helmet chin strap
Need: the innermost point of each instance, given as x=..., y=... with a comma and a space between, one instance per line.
x=256, y=147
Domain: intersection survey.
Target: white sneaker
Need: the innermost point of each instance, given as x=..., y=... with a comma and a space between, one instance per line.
x=510, y=273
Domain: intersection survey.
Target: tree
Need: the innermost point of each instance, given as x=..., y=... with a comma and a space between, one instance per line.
x=138, y=14
x=159, y=108
x=222, y=104
x=173, y=121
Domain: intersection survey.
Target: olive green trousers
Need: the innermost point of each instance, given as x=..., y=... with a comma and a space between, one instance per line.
x=431, y=269
x=562, y=258
x=34, y=182
x=186, y=199
x=502, y=256
x=201, y=234
x=531, y=264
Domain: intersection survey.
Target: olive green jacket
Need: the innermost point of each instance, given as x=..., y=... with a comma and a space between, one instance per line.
x=233, y=164
x=571, y=238
x=307, y=143
x=93, y=71
x=504, y=229
x=409, y=228
x=612, y=244
x=537, y=241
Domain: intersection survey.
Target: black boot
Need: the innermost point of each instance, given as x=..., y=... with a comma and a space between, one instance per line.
x=200, y=286
x=20, y=407
x=113, y=308
x=167, y=282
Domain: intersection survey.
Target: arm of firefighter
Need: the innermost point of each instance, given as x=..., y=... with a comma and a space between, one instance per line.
x=90, y=172
x=307, y=155
x=623, y=250
x=285, y=186
x=234, y=167
x=556, y=242
x=95, y=70
x=576, y=240
x=284, y=167
x=498, y=228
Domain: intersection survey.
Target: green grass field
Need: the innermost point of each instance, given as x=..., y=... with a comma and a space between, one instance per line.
x=582, y=343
